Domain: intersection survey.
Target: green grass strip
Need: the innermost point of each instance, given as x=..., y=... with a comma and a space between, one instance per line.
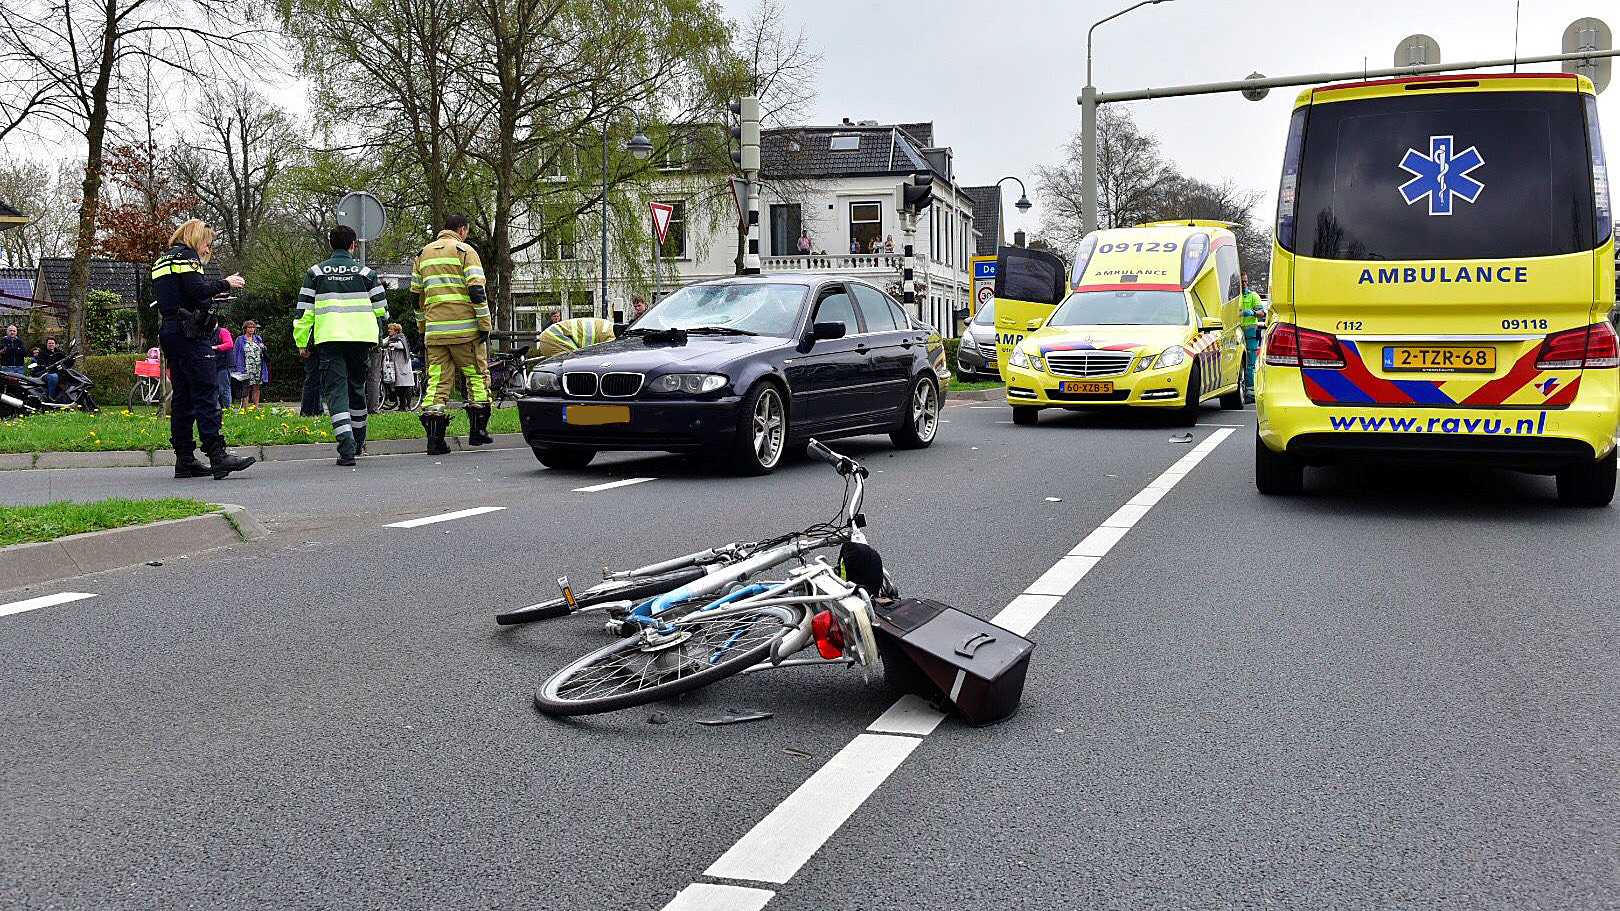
x=114, y=429
x=21, y=524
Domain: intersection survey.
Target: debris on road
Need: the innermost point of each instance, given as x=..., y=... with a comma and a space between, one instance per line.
x=154, y=562
x=658, y=718
x=799, y=753
x=1181, y=438
x=1054, y=499
x=733, y=716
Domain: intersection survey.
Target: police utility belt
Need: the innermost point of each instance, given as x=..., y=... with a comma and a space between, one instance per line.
x=195, y=323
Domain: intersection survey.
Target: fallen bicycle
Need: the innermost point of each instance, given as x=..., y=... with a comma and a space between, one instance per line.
x=685, y=623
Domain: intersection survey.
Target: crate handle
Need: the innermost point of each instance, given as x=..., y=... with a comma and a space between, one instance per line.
x=972, y=643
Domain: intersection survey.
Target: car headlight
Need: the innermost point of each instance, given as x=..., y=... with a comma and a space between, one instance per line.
x=1026, y=361
x=969, y=342
x=689, y=383
x=1170, y=357
x=543, y=381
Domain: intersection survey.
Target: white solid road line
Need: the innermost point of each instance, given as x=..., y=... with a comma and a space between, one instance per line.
x=774, y=849
x=17, y=607
x=458, y=514
x=612, y=484
x=778, y=846
x=710, y=897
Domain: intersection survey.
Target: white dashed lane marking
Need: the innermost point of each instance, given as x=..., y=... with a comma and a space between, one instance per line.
x=18, y=607
x=778, y=845
x=612, y=484
x=446, y=517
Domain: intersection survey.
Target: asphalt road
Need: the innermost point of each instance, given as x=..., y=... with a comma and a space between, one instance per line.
x=1399, y=691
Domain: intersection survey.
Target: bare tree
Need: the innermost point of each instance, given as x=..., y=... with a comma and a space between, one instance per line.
x=243, y=146
x=75, y=55
x=47, y=196
x=1130, y=170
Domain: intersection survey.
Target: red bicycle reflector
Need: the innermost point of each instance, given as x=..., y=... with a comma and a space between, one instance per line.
x=1292, y=346
x=829, y=638
x=1589, y=346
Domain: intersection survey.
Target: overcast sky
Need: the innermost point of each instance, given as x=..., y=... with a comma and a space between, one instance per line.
x=999, y=80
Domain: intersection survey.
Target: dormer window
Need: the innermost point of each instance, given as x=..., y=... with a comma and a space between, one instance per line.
x=845, y=143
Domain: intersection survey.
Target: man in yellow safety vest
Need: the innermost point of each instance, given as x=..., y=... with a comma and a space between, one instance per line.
x=453, y=313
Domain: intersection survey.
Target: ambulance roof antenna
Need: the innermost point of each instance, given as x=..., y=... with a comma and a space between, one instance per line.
x=1515, y=36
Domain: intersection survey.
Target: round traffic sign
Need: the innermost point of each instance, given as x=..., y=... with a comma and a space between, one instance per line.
x=364, y=213
x=987, y=294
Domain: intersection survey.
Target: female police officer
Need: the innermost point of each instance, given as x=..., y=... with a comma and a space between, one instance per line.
x=185, y=299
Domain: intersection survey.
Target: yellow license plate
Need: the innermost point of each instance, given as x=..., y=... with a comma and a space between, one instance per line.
x=1086, y=388
x=1440, y=359
x=592, y=415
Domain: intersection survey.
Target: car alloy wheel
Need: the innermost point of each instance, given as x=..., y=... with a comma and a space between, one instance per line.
x=925, y=410
x=769, y=427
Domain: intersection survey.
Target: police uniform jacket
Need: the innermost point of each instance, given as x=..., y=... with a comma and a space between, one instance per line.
x=178, y=284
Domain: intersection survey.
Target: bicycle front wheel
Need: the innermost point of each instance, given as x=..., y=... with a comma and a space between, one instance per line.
x=629, y=673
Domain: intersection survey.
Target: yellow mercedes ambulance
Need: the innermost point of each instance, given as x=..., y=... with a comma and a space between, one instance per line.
x=1153, y=320
x=1441, y=283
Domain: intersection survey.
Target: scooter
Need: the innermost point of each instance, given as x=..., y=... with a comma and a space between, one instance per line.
x=72, y=388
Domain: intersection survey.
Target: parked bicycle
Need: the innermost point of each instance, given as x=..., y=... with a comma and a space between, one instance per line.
x=509, y=375
x=687, y=622
x=148, y=388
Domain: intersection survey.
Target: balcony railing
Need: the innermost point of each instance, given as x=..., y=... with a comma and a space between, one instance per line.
x=839, y=262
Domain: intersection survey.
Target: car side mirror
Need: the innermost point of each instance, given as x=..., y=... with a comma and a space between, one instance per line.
x=1212, y=324
x=1034, y=324
x=822, y=332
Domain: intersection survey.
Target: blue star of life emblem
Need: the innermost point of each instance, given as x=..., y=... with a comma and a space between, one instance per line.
x=1441, y=175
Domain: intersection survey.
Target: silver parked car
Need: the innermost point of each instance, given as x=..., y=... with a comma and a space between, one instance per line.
x=976, y=356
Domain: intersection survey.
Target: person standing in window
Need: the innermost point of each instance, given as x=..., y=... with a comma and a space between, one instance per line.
x=805, y=243
x=888, y=244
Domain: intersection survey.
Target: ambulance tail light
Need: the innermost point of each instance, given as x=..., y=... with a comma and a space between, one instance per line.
x=1291, y=346
x=1594, y=346
x=1082, y=256
x=1193, y=254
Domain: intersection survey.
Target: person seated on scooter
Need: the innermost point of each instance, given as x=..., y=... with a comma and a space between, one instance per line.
x=46, y=365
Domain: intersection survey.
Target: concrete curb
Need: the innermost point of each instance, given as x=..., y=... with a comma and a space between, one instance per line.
x=115, y=548
x=140, y=458
x=976, y=395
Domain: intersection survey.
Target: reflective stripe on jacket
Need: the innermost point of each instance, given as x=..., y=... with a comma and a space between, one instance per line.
x=1250, y=302
x=178, y=283
x=450, y=278
x=341, y=301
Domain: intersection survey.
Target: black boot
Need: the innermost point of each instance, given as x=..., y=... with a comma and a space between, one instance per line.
x=187, y=466
x=436, y=423
x=222, y=462
x=478, y=425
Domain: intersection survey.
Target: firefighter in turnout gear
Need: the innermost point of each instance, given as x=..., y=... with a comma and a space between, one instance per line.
x=186, y=300
x=338, y=309
x=454, y=316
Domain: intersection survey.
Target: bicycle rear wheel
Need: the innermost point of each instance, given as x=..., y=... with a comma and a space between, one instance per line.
x=629, y=673
x=627, y=590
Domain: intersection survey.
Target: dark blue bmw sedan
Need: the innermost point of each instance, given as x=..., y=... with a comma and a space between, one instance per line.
x=745, y=367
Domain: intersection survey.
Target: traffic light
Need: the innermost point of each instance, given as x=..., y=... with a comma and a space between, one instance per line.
x=746, y=132
x=915, y=196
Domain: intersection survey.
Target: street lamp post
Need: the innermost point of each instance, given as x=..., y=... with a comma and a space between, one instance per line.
x=1023, y=204
x=1088, y=130
x=642, y=148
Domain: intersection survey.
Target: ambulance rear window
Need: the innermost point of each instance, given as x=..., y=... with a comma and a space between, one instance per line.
x=1455, y=176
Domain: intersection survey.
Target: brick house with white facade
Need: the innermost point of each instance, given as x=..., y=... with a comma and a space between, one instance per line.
x=834, y=182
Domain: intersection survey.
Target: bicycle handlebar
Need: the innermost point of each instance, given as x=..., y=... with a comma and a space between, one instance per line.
x=842, y=463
